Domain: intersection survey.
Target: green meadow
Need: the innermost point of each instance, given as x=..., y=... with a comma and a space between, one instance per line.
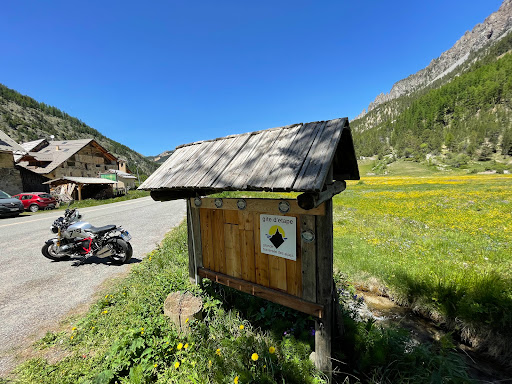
x=440, y=244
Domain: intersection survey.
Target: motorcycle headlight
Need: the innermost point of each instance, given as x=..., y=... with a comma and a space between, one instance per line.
x=55, y=229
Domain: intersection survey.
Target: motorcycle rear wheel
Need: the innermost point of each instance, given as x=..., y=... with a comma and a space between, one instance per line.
x=49, y=252
x=123, y=251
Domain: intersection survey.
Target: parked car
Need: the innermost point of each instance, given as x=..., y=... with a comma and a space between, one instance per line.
x=10, y=206
x=34, y=201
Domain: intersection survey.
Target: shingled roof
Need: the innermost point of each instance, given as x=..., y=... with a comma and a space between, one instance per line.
x=290, y=158
x=56, y=152
x=9, y=145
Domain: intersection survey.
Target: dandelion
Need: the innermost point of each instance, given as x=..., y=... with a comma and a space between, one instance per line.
x=176, y=364
x=186, y=321
x=105, y=311
x=156, y=365
x=185, y=346
x=218, y=351
x=73, y=329
x=71, y=337
x=255, y=357
x=235, y=380
x=180, y=345
x=272, y=350
x=241, y=328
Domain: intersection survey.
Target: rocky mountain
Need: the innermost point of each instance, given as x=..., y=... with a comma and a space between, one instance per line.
x=457, y=110
x=160, y=159
x=494, y=28
x=25, y=119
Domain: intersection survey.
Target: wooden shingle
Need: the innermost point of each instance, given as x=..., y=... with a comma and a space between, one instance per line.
x=290, y=158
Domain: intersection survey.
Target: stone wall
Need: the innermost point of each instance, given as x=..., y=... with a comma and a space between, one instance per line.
x=88, y=162
x=10, y=178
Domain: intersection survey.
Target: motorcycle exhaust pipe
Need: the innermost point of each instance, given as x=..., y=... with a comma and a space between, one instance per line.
x=104, y=252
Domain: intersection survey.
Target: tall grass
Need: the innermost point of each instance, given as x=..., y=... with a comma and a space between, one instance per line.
x=441, y=244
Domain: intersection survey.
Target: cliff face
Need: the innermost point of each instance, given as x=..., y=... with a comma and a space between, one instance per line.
x=491, y=30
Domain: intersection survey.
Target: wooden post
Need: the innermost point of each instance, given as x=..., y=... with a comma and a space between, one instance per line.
x=195, y=251
x=324, y=268
x=79, y=188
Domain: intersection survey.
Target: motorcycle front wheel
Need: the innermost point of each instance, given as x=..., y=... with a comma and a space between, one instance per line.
x=122, y=251
x=49, y=251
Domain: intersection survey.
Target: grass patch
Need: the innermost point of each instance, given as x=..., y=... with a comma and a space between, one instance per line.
x=125, y=337
x=130, y=195
x=441, y=243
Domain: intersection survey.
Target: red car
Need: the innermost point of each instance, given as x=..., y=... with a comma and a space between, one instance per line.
x=34, y=201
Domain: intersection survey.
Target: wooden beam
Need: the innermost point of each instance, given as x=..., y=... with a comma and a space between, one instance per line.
x=264, y=292
x=324, y=268
x=166, y=195
x=307, y=223
x=194, y=242
x=79, y=188
x=265, y=206
x=309, y=200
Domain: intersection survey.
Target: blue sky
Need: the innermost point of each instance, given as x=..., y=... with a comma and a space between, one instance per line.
x=153, y=75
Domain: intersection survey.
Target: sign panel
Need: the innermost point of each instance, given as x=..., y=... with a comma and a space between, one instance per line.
x=109, y=176
x=278, y=236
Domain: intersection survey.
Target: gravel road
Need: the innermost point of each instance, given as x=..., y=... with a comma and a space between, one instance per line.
x=36, y=293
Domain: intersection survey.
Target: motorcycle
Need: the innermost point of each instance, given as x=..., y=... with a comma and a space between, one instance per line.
x=80, y=239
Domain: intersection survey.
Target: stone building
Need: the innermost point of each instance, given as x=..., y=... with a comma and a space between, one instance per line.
x=10, y=177
x=55, y=159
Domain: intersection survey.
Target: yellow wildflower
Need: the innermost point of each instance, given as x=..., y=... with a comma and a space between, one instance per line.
x=180, y=345
x=186, y=321
x=241, y=328
x=235, y=380
x=176, y=364
x=209, y=363
x=218, y=351
x=185, y=346
x=156, y=365
x=254, y=357
x=272, y=350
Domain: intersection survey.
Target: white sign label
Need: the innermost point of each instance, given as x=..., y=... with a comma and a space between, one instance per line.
x=278, y=236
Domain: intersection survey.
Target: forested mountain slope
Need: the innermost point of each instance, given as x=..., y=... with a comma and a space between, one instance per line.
x=494, y=28
x=25, y=119
x=467, y=112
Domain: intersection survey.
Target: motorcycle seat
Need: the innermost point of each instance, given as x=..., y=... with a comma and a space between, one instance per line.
x=101, y=229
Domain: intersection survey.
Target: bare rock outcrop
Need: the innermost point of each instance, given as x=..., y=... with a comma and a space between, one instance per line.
x=494, y=27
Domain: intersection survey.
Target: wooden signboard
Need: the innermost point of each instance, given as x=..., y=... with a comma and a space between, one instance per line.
x=226, y=247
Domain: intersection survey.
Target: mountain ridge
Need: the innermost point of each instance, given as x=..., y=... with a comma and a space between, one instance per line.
x=25, y=119
x=492, y=29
